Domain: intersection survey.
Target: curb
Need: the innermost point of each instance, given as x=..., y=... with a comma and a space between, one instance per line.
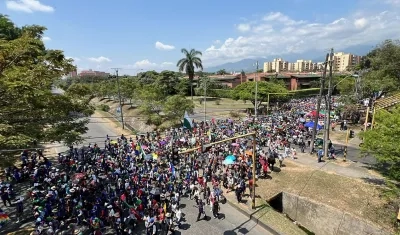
x=257, y=221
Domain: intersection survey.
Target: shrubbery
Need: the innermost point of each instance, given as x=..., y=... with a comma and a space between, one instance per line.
x=104, y=107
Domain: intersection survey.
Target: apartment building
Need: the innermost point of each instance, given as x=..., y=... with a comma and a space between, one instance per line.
x=342, y=61
x=267, y=67
x=93, y=73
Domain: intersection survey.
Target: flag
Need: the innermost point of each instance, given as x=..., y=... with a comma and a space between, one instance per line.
x=172, y=168
x=139, y=147
x=187, y=121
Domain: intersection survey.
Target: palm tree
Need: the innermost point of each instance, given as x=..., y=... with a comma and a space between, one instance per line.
x=189, y=63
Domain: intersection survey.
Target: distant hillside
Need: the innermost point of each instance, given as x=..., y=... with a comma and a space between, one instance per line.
x=317, y=56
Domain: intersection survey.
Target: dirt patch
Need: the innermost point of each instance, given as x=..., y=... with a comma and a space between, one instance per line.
x=347, y=194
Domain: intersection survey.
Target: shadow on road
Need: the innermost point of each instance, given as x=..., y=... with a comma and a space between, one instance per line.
x=242, y=230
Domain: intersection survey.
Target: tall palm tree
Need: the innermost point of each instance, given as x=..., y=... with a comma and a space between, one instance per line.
x=189, y=63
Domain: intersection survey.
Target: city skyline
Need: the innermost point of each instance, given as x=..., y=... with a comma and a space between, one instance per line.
x=151, y=38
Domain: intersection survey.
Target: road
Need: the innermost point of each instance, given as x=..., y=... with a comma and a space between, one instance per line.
x=230, y=222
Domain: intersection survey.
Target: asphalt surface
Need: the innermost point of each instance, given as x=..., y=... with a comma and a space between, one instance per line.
x=230, y=221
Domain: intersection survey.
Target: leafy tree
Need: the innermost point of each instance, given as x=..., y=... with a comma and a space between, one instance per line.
x=175, y=107
x=189, y=63
x=246, y=91
x=129, y=88
x=381, y=141
x=183, y=87
x=168, y=80
x=152, y=98
x=8, y=30
x=221, y=72
x=148, y=77
x=80, y=91
x=29, y=112
x=383, y=69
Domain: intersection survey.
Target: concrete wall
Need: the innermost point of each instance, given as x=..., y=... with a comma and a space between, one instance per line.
x=325, y=220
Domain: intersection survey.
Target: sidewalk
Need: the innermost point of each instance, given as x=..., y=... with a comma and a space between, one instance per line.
x=338, y=166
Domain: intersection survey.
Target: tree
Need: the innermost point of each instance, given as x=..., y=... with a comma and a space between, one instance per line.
x=152, y=98
x=183, y=87
x=189, y=63
x=383, y=69
x=175, y=107
x=168, y=80
x=381, y=141
x=246, y=91
x=221, y=72
x=81, y=91
x=29, y=112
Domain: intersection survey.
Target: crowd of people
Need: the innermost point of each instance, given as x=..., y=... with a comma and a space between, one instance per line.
x=141, y=179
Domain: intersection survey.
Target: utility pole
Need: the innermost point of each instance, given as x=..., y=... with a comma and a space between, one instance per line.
x=205, y=99
x=321, y=92
x=328, y=106
x=256, y=93
x=119, y=97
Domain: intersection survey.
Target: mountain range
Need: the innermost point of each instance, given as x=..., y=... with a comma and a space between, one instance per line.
x=317, y=56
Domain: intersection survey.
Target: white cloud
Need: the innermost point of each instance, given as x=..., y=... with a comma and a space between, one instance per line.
x=46, y=39
x=393, y=2
x=165, y=47
x=76, y=59
x=100, y=59
x=167, y=63
x=28, y=6
x=281, y=18
x=297, y=36
x=360, y=23
x=144, y=64
x=217, y=42
x=243, y=27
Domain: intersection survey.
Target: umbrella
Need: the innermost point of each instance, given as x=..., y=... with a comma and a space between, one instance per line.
x=235, y=144
x=311, y=124
x=228, y=162
x=230, y=157
x=155, y=191
x=113, y=142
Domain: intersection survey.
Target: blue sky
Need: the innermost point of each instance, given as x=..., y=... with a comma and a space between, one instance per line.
x=137, y=34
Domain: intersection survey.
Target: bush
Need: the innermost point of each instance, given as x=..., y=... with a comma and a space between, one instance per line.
x=223, y=93
x=154, y=120
x=234, y=114
x=217, y=102
x=104, y=107
x=220, y=93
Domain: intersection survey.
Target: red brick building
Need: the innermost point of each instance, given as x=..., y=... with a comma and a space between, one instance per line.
x=93, y=73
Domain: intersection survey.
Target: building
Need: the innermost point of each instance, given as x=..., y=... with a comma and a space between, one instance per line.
x=343, y=61
x=277, y=65
x=93, y=73
x=73, y=74
x=303, y=66
x=267, y=67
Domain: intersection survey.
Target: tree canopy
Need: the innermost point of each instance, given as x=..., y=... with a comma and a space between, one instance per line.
x=246, y=91
x=382, y=66
x=382, y=140
x=29, y=111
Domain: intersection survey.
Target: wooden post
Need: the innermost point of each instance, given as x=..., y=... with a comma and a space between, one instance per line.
x=373, y=118
x=366, y=119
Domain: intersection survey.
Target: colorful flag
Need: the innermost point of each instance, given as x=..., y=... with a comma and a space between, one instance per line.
x=187, y=121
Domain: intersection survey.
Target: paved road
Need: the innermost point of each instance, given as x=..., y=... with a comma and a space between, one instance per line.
x=230, y=222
